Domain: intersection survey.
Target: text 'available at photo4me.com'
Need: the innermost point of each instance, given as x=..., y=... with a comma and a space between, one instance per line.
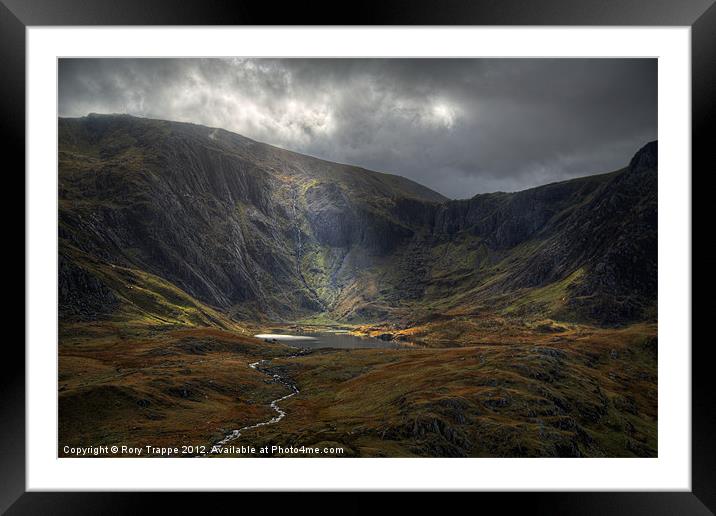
x=201, y=450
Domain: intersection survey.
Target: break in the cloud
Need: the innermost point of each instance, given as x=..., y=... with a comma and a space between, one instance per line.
x=459, y=126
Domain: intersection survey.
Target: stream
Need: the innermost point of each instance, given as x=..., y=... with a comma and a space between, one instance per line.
x=307, y=341
x=280, y=414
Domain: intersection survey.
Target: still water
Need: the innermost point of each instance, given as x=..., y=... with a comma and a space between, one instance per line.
x=329, y=340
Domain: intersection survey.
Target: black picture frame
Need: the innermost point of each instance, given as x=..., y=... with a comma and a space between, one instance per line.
x=17, y=15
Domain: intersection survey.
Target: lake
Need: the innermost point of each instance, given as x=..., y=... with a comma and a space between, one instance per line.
x=330, y=340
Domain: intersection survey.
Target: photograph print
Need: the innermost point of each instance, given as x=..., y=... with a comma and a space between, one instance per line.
x=357, y=257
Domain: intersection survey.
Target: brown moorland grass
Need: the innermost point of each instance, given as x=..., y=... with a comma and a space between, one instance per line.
x=592, y=396
x=549, y=390
x=187, y=386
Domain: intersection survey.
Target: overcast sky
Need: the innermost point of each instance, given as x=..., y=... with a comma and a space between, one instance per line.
x=459, y=126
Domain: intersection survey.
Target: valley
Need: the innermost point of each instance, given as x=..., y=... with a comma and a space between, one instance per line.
x=587, y=392
x=507, y=324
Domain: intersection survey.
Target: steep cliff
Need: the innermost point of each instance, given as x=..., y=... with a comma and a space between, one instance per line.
x=260, y=232
x=231, y=221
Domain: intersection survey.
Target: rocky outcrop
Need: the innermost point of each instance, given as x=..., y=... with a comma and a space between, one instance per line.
x=82, y=295
x=602, y=227
x=331, y=215
x=506, y=220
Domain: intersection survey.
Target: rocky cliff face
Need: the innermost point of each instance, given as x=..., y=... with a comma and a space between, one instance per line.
x=258, y=231
x=593, y=238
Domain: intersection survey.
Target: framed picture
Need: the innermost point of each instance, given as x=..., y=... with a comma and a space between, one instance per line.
x=405, y=250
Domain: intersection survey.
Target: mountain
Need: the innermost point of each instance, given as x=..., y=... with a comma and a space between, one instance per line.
x=179, y=222
x=533, y=313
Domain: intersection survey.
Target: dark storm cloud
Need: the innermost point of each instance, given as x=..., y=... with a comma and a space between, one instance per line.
x=459, y=126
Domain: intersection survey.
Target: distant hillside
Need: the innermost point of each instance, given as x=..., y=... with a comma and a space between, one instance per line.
x=203, y=223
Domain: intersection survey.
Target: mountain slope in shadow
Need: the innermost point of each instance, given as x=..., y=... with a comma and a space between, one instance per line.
x=261, y=233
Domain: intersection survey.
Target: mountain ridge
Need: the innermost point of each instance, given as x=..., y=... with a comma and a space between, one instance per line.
x=256, y=231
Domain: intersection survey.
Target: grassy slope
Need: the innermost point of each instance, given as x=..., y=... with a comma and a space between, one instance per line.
x=551, y=391
x=146, y=300
x=588, y=394
x=165, y=387
x=164, y=369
